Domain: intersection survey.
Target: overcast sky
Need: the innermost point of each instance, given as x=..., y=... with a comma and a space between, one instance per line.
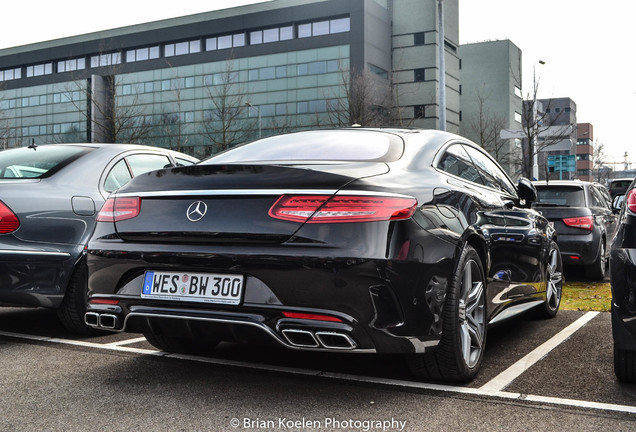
x=587, y=45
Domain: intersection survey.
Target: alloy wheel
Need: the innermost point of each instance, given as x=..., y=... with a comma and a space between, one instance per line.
x=555, y=280
x=472, y=314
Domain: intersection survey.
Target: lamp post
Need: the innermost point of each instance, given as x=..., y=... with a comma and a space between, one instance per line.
x=535, y=126
x=442, y=67
x=258, y=110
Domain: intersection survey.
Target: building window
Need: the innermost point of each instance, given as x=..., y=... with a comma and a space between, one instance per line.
x=182, y=48
x=379, y=71
x=320, y=28
x=418, y=38
x=286, y=33
x=210, y=44
x=518, y=117
x=270, y=35
x=423, y=111
x=419, y=75
x=450, y=46
x=518, y=92
x=10, y=74
x=340, y=25
x=105, y=59
x=39, y=70
x=141, y=54
x=71, y=65
x=33, y=101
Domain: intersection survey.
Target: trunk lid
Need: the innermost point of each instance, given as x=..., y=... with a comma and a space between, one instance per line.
x=227, y=203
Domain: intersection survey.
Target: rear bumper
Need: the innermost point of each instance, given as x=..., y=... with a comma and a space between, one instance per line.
x=36, y=277
x=382, y=305
x=579, y=249
x=623, y=282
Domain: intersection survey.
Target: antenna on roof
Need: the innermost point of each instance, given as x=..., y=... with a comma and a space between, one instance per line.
x=33, y=145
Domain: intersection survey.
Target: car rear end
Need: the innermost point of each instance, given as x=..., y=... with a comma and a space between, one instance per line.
x=623, y=283
x=308, y=256
x=567, y=208
x=40, y=228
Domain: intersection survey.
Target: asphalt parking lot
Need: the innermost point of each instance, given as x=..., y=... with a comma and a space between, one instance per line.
x=536, y=375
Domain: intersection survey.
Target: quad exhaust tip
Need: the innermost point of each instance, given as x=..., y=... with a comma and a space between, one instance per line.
x=105, y=321
x=321, y=339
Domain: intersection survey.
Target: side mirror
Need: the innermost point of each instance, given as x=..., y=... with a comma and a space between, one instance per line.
x=617, y=203
x=526, y=190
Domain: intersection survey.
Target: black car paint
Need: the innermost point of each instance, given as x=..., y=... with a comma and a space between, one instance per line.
x=387, y=281
x=622, y=268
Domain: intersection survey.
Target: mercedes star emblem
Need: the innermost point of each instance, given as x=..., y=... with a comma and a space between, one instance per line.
x=196, y=211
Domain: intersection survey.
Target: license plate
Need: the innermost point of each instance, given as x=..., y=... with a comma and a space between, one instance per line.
x=196, y=287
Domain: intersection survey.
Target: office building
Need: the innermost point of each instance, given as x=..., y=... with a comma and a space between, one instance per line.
x=203, y=82
x=491, y=99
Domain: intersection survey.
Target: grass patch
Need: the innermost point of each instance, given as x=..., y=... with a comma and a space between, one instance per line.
x=586, y=296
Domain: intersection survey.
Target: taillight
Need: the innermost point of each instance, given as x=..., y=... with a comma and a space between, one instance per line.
x=104, y=301
x=341, y=208
x=584, y=222
x=119, y=208
x=8, y=220
x=631, y=200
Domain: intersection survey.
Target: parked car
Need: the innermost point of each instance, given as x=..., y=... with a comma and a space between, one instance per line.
x=622, y=277
x=49, y=197
x=583, y=218
x=619, y=186
x=358, y=240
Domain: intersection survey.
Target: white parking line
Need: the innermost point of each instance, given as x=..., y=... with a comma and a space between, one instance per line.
x=504, y=379
x=127, y=341
x=498, y=394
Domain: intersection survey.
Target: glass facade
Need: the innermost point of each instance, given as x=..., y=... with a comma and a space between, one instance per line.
x=180, y=106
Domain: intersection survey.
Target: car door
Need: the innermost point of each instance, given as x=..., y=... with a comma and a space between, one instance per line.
x=522, y=247
x=479, y=209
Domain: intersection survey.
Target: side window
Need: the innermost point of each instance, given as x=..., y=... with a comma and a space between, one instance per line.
x=142, y=163
x=456, y=161
x=597, y=198
x=117, y=177
x=493, y=176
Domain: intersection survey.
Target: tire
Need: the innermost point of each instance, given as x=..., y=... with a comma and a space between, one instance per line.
x=625, y=365
x=458, y=356
x=180, y=345
x=597, y=270
x=554, y=283
x=71, y=311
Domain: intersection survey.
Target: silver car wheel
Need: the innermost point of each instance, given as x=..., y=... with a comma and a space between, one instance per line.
x=555, y=281
x=472, y=316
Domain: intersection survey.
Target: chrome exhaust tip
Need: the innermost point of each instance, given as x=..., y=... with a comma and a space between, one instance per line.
x=108, y=321
x=300, y=338
x=336, y=341
x=91, y=319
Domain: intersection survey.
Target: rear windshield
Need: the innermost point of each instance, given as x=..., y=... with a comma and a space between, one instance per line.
x=563, y=196
x=316, y=146
x=43, y=161
x=620, y=184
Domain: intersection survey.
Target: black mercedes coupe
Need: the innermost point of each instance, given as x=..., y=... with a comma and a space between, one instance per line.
x=358, y=240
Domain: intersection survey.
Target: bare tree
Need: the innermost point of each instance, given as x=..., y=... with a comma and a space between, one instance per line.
x=225, y=123
x=172, y=124
x=486, y=127
x=539, y=133
x=601, y=173
x=363, y=98
x=112, y=115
